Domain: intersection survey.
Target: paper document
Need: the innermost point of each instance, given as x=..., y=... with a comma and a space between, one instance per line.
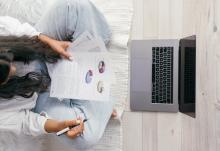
x=89, y=76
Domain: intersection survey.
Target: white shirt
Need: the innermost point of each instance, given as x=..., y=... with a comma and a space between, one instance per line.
x=15, y=114
x=12, y=26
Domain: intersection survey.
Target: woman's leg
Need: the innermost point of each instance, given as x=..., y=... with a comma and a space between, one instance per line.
x=67, y=19
x=98, y=114
x=55, y=21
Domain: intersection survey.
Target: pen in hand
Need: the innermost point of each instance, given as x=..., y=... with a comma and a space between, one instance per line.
x=69, y=128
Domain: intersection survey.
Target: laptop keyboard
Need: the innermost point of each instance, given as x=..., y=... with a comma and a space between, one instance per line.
x=162, y=75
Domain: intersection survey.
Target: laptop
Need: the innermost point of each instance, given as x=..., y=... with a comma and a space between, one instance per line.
x=162, y=75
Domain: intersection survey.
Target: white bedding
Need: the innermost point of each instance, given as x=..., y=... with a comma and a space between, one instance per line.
x=118, y=14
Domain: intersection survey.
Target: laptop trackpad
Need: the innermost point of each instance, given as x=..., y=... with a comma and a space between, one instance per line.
x=141, y=79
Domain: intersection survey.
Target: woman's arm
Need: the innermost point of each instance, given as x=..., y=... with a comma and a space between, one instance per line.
x=10, y=26
x=53, y=126
x=35, y=124
x=58, y=46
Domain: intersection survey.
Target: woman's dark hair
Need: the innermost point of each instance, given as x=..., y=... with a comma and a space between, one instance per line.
x=27, y=49
x=4, y=71
x=23, y=49
x=25, y=86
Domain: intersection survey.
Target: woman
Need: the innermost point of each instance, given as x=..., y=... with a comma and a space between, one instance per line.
x=18, y=93
x=66, y=20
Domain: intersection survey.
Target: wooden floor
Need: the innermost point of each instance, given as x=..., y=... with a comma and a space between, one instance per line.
x=144, y=131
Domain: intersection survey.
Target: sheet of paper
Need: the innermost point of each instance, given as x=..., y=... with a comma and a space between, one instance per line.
x=83, y=38
x=60, y=78
x=82, y=78
x=88, y=76
x=84, y=43
x=87, y=43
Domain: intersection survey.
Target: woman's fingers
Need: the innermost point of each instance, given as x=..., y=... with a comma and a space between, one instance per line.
x=64, y=46
x=58, y=46
x=71, y=123
x=66, y=54
x=73, y=133
x=76, y=131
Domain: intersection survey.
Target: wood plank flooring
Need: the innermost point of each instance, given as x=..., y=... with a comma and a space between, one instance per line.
x=144, y=131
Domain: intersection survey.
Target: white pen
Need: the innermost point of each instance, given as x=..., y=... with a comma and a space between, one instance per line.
x=69, y=128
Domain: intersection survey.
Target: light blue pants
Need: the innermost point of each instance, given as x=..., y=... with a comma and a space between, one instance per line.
x=66, y=20
x=98, y=114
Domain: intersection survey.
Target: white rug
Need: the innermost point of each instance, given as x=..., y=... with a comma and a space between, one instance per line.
x=118, y=14
x=109, y=142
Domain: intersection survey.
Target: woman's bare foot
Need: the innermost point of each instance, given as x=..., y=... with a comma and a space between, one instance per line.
x=114, y=113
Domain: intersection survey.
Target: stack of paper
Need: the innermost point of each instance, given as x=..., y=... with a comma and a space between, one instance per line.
x=88, y=76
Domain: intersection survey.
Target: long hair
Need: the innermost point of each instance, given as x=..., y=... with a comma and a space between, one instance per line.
x=25, y=86
x=27, y=49
x=24, y=49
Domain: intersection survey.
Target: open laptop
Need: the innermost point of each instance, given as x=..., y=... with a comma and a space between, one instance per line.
x=162, y=75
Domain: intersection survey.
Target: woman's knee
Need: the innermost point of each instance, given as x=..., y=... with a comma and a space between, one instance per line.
x=88, y=139
x=82, y=142
x=93, y=137
x=67, y=3
x=93, y=132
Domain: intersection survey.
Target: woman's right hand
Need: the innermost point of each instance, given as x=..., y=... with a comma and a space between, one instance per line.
x=54, y=126
x=76, y=131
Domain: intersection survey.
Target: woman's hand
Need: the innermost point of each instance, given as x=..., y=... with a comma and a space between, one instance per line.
x=76, y=131
x=53, y=126
x=58, y=46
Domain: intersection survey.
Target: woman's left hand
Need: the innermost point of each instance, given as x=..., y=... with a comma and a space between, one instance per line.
x=58, y=46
